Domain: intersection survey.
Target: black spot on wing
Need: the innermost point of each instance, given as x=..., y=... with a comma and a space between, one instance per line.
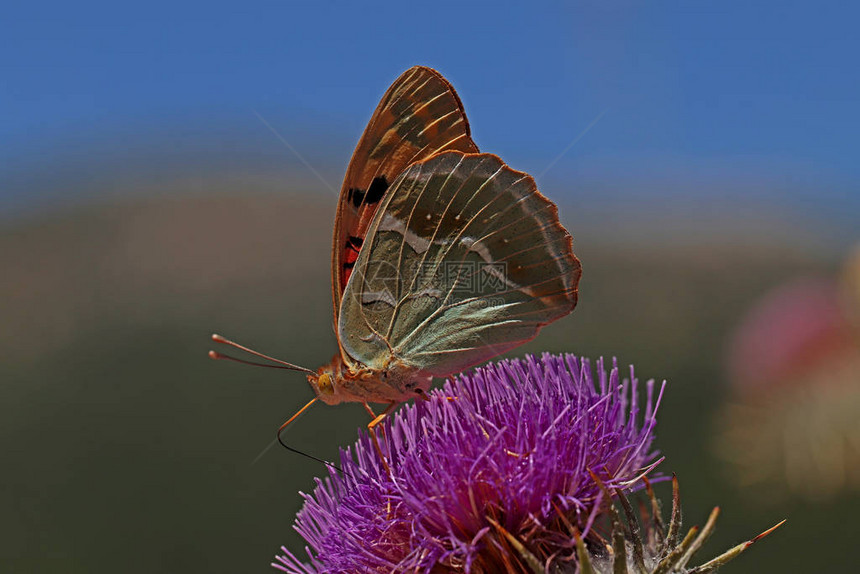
x=373, y=195
x=354, y=243
x=356, y=195
x=378, y=187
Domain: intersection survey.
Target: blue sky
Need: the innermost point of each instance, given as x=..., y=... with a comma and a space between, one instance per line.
x=696, y=96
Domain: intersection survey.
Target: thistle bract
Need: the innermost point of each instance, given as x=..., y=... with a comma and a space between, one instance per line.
x=494, y=459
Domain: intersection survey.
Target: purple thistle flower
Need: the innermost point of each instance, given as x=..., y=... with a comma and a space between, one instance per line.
x=500, y=454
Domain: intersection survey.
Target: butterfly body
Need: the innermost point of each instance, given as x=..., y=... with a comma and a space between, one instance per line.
x=393, y=382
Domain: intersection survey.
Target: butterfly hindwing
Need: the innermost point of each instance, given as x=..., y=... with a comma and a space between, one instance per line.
x=464, y=260
x=420, y=115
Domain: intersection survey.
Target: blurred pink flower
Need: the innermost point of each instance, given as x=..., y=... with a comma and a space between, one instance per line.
x=793, y=424
x=794, y=330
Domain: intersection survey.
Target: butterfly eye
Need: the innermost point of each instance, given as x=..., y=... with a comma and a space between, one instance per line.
x=325, y=384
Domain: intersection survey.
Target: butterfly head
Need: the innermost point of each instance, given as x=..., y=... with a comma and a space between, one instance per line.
x=325, y=384
x=327, y=381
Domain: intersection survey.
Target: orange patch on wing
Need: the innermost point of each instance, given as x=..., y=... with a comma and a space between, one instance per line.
x=419, y=116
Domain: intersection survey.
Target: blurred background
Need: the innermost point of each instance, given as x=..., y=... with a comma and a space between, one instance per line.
x=168, y=171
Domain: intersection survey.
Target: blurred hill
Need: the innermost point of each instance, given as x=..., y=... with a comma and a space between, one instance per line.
x=125, y=448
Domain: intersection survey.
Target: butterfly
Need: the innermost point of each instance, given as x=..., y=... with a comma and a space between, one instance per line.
x=442, y=256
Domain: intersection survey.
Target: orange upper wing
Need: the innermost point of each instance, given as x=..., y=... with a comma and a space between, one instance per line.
x=419, y=116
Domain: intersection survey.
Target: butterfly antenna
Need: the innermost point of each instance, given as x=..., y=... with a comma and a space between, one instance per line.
x=281, y=364
x=291, y=449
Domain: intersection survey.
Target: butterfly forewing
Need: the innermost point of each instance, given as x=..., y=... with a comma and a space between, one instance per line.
x=463, y=261
x=420, y=115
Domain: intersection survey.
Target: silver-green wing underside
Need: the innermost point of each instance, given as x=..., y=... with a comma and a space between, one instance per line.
x=463, y=260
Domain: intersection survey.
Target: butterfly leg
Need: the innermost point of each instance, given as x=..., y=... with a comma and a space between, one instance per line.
x=422, y=396
x=373, y=417
x=371, y=428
